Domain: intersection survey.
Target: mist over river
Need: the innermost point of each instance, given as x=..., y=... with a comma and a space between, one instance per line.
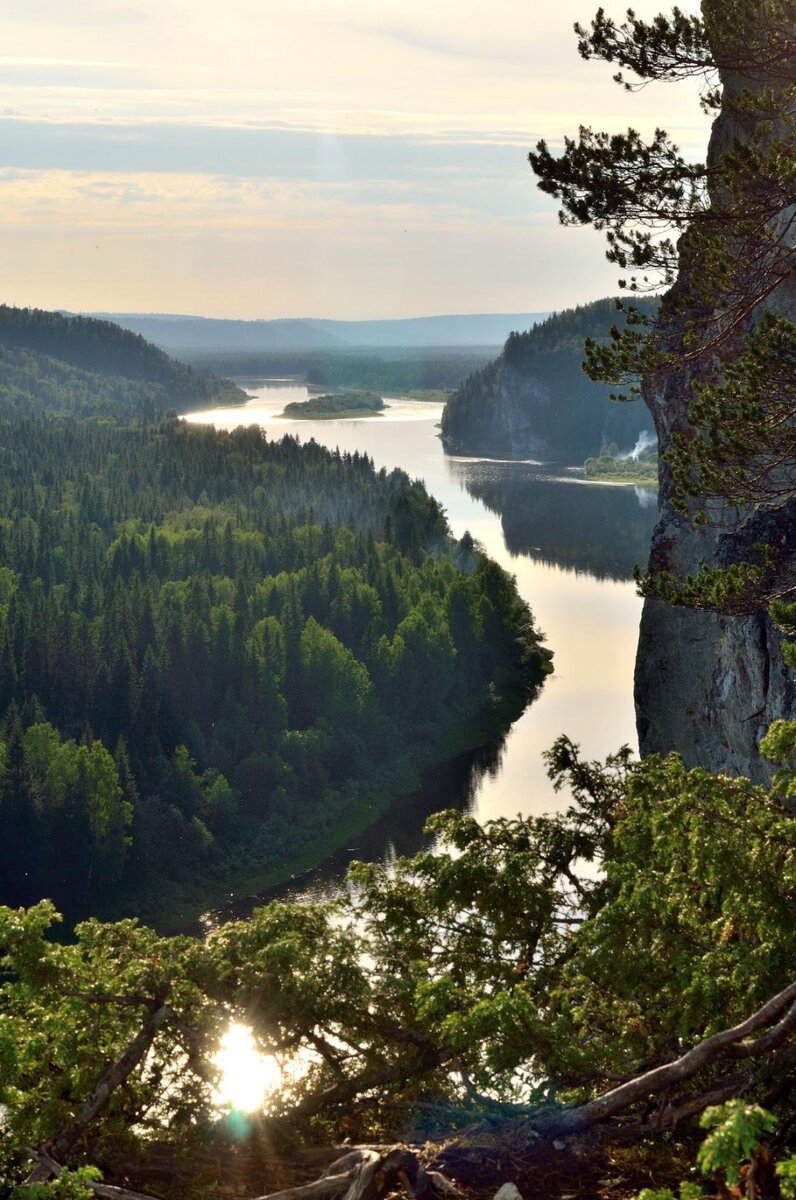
x=571, y=545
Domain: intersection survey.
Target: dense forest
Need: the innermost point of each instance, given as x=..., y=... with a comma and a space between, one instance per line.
x=534, y=398
x=54, y=357
x=215, y=650
x=343, y=404
x=393, y=370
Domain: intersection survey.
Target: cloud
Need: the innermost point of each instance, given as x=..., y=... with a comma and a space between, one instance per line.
x=221, y=204
x=346, y=66
x=36, y=63
x=333, y=156
x=338, y=267
x=248, y=152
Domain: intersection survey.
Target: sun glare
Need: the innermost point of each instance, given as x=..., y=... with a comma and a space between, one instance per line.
x=248, y=1077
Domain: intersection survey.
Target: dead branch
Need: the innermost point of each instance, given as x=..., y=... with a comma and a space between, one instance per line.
x=320, y=1189
x=725, y=1089
x=51, y=1170
x=365, y=1174
x=110, y=1192
x=730, y=1043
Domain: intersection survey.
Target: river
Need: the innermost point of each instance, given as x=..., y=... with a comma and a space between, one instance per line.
x=571, y=545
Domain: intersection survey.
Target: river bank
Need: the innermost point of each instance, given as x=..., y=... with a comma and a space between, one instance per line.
x=572, y=546
x=402, y=785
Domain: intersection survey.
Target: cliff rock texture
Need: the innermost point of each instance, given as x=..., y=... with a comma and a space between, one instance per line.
x=709, y=684
x=521, y=404
x=535, y=401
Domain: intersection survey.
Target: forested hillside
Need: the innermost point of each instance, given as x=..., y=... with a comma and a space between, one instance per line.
x=394, y=371
x=215, y=651
x=55, y=360
x=184, y=336
x=535, y=398
x=435, y=353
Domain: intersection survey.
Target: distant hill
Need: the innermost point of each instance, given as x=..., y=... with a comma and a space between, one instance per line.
x=79, y=364
x=186, y=336
x=392, y=371
x=534, y=399
x=484, y=329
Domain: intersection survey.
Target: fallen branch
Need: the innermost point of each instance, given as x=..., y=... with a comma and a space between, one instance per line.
x=365, y=1174
x=51, y=1170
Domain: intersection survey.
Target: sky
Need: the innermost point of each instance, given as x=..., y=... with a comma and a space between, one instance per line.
x=319, y=158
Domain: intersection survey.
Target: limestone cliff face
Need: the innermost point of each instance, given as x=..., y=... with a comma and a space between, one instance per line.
x=535, y=401
x=519, y=401
x=709, y=685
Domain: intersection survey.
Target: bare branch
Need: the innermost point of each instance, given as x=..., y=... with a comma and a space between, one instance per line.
x=729, y=1042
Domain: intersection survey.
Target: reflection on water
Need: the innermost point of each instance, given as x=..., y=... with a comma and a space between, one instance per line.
x=248, y=1078
x=571, y=546
x=601, y=531
x=647, y=497
x=452, y=784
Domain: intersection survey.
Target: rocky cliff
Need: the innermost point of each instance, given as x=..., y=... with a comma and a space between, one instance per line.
x=709, y=684
x=535, y=401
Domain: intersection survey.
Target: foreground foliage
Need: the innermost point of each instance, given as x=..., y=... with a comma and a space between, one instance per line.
x=492, y=978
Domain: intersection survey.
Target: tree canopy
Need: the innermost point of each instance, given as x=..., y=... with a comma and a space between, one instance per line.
x=215, y=651
x=724, y=231
x=626, y=964
x=491, y=979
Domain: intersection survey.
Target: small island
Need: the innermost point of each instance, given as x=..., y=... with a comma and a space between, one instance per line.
x=330, y=407
x=639, y=466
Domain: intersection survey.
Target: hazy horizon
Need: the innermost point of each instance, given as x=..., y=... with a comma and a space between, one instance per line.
x=344, y=318
x=326, y=158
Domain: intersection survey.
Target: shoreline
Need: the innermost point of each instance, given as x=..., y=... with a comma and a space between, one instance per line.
x=344, y=414
x=462, y=733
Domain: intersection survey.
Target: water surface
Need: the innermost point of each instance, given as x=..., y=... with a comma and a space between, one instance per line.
x=571, y=545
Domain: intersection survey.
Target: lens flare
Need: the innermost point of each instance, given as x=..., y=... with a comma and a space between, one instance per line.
x=248, y=1077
